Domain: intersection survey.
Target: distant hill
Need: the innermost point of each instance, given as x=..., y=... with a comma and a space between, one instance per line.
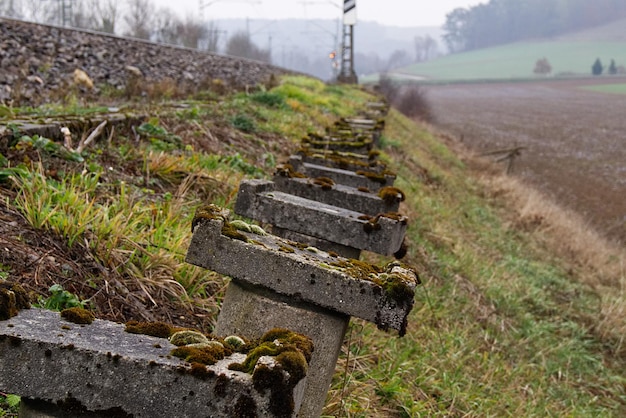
x=571, y=54
x=499, y=22
x=611, y=32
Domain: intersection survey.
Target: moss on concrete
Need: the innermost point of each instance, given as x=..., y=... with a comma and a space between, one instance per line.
x=13, y=297
x=78, y=315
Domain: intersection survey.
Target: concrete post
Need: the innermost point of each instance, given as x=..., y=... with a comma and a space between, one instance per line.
x=251, y=311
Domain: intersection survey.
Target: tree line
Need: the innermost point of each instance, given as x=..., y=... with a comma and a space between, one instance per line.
x=135, y=18
x=504, y=21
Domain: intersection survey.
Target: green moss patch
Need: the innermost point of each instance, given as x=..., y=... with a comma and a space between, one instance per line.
x=275, y=342
x=155, y=329
x=391, y=195
x=396, y=286
x=78, y=315
x=203, y=353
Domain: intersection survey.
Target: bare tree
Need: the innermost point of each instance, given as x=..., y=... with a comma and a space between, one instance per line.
x=166, y=25
x=240, y=45
x=83, y=15
x=191, y=32
x=10, y=8
x=106, y=13
x=212, y=36
x=425, y=48
x=399, y=58
x=139, y=19
x=40, y=11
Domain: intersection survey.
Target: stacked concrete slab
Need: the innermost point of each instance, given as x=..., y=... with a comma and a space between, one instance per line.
x=62, y=369
x=306, y=276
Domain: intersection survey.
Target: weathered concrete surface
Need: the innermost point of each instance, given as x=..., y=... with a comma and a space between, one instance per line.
x=360, y=123
x=342, y=160
x=363, y=125
x=316, y=219
x=114, y=373
x=340, y=176
x=340, y=195
x=376, y=109
x=51, y=128
x=250, y=312
x=361, y=146
x=322, y=244
x=306, y=275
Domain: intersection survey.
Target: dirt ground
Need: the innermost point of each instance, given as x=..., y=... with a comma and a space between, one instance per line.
x=574, y=139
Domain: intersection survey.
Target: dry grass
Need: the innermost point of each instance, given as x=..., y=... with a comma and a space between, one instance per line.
x=599, y=262
x=564, y=231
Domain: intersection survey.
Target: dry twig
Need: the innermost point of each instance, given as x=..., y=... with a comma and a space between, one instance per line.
x=85, y=142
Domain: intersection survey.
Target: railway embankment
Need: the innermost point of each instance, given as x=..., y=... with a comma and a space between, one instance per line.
x=38, y=62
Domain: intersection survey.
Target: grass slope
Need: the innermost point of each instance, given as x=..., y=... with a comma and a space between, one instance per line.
x=517, y=61
x=502, y=325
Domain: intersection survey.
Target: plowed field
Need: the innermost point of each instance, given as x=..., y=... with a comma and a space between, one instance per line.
x=574, y=139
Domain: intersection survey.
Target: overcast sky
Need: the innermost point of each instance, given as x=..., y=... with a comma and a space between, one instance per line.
x=387, y=12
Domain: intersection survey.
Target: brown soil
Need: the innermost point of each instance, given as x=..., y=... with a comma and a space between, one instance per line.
x=574, y=139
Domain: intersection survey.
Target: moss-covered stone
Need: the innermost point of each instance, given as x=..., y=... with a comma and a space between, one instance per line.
x=396, y=216
x=230, y=231
x=273, y=343
x=240, y=225
x=375, y=177
x=371, y=223
x=373, y=154
x=287, y=170
x=155, y=329
x=13, y=297
x=295, y=363
x=234, y=342
x=255, y=229
x=293, y=353
x=281, y=396
x=78, y=315
x=286, y=249
x=208, y=212
x=187, y=337
x=209, y=354
x=245, y=407
x=325, y=183
x=391, y=195
x=200, y=371
x=395, y=285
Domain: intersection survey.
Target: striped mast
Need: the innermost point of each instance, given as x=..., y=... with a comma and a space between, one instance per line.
x=349, y=12
x=347, y=73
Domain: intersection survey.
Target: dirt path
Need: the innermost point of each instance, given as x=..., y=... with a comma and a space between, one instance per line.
x=575, y=139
